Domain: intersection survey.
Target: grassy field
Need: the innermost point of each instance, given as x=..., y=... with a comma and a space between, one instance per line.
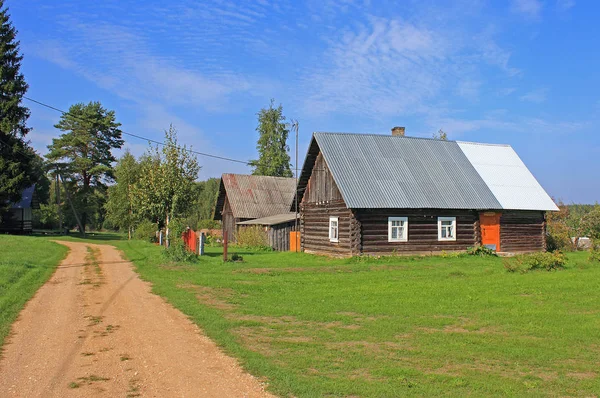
x=393, y=327
x=25, y=264
x=312, y=326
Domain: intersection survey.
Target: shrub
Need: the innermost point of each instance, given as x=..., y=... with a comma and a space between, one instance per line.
x=177, y=250
x=209, y=224
x=480, y=251
x=237, y=258
x=549, y=261
x=146, y=230
x=595, y=251
x=253, y=236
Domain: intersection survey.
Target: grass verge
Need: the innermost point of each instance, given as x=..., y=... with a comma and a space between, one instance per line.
x=422, y=326
x=25, y=265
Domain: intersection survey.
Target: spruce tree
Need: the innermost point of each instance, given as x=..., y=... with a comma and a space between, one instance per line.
x=19, y=164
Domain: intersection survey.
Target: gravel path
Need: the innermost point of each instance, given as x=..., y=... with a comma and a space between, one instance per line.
x=95, y=329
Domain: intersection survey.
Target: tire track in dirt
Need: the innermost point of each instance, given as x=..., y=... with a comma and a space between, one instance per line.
x=95, y=329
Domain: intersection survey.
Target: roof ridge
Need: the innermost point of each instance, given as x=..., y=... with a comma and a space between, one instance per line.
x=382, y=135
x=482, y=143
x=253, y=175
x=409, y=137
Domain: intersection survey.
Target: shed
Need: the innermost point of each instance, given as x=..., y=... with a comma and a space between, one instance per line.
x=277, y=228
x=247, y=197
x=384, y=194
x=18, y=219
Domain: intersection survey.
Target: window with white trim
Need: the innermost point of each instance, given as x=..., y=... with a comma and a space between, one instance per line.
x=397, y=229
x=446, y=228
x=334, y=229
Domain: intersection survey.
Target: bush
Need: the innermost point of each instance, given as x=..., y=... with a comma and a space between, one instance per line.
x=480, y=251
x=549, y=261
x=237, y=258
x=177, y=250
x=146, y=230
x=209, y=224
x=595, y=251
x=253, y=236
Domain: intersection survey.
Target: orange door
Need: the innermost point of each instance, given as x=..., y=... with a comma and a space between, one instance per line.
x=490, y=230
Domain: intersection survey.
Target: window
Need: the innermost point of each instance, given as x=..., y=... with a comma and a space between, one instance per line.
x=397, y=229
x=446, y=228
x=333, y=229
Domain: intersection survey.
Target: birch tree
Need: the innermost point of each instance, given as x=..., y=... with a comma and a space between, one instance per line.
x=166, y=186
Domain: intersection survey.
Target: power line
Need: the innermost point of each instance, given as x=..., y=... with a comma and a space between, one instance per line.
x=249, y=163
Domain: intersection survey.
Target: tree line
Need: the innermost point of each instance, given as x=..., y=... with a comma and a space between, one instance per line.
x=80, y=183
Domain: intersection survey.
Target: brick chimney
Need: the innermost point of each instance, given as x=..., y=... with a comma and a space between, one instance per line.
x=398, y=131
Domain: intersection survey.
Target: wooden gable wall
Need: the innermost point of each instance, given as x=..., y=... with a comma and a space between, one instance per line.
x=322, y=200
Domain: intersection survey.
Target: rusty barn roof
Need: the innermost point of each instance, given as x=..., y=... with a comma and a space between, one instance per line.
x=253, y=196
x=384, y=171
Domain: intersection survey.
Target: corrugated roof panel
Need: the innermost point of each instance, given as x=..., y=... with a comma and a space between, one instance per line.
x=378, y=171
x=253, y=196
x=507, y=177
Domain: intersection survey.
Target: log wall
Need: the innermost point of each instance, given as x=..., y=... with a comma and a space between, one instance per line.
x=522, y=231
x=314, y=232
x=279, y=236
x=422, y=231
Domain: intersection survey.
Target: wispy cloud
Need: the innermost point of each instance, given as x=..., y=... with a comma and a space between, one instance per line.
x=495, y=123
x=531, y=9
x=388, y=66
x=565, y=5
x=536, y=96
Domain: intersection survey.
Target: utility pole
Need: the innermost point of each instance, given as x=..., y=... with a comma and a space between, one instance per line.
x=295, y=128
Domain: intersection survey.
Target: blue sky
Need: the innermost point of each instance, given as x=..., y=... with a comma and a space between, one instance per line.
x=521, y=72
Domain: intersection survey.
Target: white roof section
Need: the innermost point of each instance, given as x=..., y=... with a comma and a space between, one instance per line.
x=507, y=177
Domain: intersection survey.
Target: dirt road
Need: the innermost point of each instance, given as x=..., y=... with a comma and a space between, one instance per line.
x=95, y=329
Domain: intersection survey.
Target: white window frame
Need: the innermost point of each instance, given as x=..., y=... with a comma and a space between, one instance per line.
x=404, y=237
x=440, y=219
x=337, y=227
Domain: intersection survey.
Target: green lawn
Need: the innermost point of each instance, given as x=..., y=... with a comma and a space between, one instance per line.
x=312, y=326
x=25, y=264
x=392, y=327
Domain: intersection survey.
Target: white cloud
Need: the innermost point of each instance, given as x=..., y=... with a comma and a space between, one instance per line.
x=494, y=123
x=565, y=5
x=388, y=66
x=536, y=96
x=529, y=8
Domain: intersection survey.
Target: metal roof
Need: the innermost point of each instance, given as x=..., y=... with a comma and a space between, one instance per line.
x=507, y=177
x=271, y=220
x=384, y=171
x=253, y=196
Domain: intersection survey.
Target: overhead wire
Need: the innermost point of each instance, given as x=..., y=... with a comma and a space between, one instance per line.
x=246, y=162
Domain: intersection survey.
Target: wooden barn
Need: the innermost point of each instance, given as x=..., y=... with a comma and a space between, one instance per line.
x=18, y=219
x=248, y=197
x=277, y=229
x=380, y=194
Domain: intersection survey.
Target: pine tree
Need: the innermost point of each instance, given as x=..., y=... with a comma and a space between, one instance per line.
x=19, y=165
x=84, y=154
x=272, y=147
